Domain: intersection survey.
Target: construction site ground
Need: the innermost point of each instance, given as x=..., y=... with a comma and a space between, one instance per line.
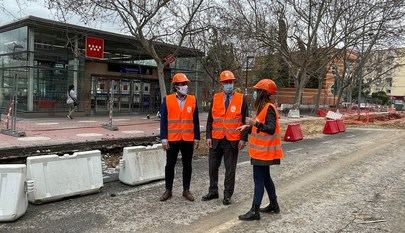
x=347, y=182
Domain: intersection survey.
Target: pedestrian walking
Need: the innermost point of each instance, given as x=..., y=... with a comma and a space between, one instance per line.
x=264, y=148
x=228, y=111
x=71, y=101
x=179, y=131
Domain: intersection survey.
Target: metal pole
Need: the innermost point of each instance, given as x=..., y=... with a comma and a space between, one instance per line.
x=15, y=98
x=111, y=102
x=110, y=125
x=246, y=78
x=196, y=79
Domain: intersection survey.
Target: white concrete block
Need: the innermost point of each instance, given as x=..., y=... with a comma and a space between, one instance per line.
x=13, y=195
x=294, y=113
x=334, y=115
x=56, y=177
x=142, y=164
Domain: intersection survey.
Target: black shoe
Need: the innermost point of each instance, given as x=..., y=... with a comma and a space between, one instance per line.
x=271, y=208
x=253, y=214
x=226, y=201
x=210, y=196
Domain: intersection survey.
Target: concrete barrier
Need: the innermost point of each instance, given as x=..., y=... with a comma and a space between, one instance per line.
x=142, y=164
x=55, y=177
x=13, y=192
x=294, y=113
x=334, y=115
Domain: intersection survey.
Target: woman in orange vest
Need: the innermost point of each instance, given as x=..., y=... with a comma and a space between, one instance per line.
x=264, y=148
x=179, y=131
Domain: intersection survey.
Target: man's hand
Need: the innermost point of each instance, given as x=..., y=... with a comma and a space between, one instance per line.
x=241, y=145
x=209, y=143
x=196, y=144
x=165, y=144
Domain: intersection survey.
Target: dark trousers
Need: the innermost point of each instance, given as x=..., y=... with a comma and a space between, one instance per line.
x=262, y=179
x=230, y=154
x=186, y=149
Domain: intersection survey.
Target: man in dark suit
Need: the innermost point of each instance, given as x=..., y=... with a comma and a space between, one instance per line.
x=229, y=110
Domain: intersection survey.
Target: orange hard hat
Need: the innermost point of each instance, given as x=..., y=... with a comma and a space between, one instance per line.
x=267, y=85
x=226, y=75
x=180, y=78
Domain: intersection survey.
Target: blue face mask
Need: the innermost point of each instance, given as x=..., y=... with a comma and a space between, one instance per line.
x=228, y=88
x=254, y=96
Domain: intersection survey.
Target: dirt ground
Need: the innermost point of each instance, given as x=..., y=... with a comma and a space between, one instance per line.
x=310, y=129
x=388, y=120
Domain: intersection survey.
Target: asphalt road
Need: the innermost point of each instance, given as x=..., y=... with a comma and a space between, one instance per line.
x=349, y=182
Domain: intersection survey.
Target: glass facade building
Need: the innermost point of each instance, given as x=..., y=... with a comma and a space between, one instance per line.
x=41, y=58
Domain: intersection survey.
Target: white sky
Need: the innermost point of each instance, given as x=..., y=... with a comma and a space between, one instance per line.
x=38, y=8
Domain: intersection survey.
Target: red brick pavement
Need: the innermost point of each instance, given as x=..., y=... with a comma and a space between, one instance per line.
x=55, y=131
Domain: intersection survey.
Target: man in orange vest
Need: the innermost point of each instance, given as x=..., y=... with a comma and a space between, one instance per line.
x=229, y=110
x=179, y=131
x=264, y=148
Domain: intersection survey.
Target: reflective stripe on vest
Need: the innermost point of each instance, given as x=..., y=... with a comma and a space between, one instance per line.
x=225, y=121
x=180, y=122
x=263, y=146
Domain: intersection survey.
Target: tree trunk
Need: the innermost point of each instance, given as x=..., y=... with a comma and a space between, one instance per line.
x=298, y=96
x=318, y=94
x=161, y=76
x=297, y=87
x=340, y=94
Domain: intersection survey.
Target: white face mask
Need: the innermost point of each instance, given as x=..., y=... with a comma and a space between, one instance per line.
x=228, y=88
x=254, y=96
x=182, y=89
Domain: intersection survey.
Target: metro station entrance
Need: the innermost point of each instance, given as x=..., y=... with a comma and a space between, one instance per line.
x=129, y=95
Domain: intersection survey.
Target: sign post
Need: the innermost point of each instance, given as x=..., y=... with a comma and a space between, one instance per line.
x=109, y=125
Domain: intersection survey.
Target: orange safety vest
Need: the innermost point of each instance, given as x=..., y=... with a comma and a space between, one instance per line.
x=225, y=121
x=180, y=121
x=263, y=146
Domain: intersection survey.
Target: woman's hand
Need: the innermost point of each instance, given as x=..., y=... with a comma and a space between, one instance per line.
x=242, y=127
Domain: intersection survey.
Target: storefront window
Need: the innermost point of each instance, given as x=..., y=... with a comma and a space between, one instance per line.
x=8, y=77
x=13, y=41
x=50, y=88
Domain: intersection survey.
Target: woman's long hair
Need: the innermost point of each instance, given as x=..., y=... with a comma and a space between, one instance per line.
x=71, y=87
x=263, y=97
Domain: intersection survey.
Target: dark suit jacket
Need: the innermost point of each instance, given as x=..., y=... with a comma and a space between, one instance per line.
x=244, y=136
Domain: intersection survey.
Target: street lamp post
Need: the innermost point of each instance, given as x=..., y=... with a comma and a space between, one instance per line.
x=247, y=70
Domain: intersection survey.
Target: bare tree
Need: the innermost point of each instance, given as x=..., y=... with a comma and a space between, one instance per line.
x=149, y=21
x=368, y=27
x=310, y=35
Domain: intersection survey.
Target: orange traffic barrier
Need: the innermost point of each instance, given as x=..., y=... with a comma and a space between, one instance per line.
x=293, y=133
x=341, y=125
x=331, y=127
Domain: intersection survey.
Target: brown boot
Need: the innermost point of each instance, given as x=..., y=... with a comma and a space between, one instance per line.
x=187, y=194
x=166, y=195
